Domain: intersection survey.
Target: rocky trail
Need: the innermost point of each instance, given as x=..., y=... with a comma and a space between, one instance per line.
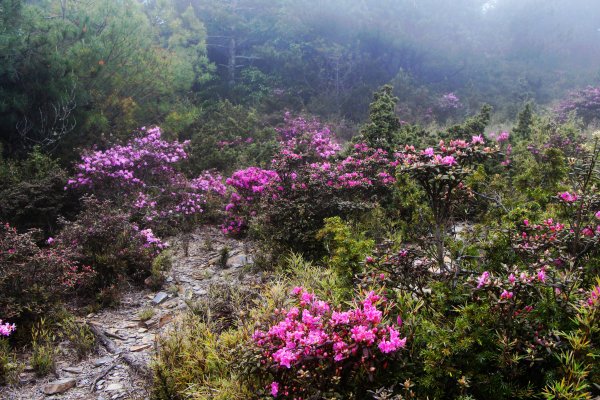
x=120, y=367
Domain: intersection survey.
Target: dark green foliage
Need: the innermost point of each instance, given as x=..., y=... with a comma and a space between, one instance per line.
x=472, y=126
x=524, y=121
x=32, y=192
x=228, y=136
x=384, y=125
x=347, y=249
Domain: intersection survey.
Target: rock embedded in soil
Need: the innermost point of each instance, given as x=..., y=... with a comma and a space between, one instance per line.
x=59, y=386
x=102, y=361
x=134, y=349
x=73, y=370
x=159, y=298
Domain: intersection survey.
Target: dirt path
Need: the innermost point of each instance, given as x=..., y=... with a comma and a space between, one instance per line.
x=107, y=376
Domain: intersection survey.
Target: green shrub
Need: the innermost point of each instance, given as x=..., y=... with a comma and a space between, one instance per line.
x=10, y=367
x=79, y=336
x=44, y=350
x=347, y=249
x=195, y=363
x=32, y=192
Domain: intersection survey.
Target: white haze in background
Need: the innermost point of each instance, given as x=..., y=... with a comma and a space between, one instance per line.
x=489, y=5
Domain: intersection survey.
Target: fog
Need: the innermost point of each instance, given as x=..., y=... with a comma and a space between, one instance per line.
x=498, y=50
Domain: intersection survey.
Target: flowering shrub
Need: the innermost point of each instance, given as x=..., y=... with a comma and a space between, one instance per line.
x=441, y=173
x=314, y=349
x=249, y=185
x=104, y=238
x=307, y=183
x=449, y=101
x=141, y=176
x=306, y=141
x=33, y=279
x=585, y=103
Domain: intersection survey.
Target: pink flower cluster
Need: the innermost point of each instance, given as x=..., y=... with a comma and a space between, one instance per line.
x=150, y=240
x=248, y=186
x=142, y=172
x=584, y=102
x=554, y=238
x=307, y=140
x=6, y=329
x=568, y=197
x=508, y=286
x=449, y=101
x=447, y=154
x=305, y=165
x=312, y=331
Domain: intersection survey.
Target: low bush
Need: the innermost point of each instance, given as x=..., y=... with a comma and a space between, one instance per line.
x=116, y=249
x=33, y=280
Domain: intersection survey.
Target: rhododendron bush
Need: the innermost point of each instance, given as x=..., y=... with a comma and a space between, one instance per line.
x=33, y=279
x=315, y=348
x=307, y=182
x=142, y=177
x=115, y=248
x=584, y=103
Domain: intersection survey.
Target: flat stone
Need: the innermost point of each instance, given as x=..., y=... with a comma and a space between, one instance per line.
x=142, y=330
x=73, y=370
x=151, y=323
x=60, y=386
x=102, y=361
x=160, y=297
x=239, y=261
x=165, y=319
x=114, y=386
x=26, y=377
x=134, y=349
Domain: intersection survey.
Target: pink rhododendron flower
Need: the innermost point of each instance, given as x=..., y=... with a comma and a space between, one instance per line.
x=477, y=139
x=568, y=197
x=274, y=389
x=6, y=329
x=506, y=295
x=503, y=137
x=541, y=275
x=483, y=280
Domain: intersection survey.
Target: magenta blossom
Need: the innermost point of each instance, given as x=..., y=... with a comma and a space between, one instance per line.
x=568, y=197
x=6, y=329
x=483, y=280
x=274, y=389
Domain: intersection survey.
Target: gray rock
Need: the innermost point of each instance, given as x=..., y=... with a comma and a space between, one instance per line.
x=59, y=386
x=113, y=387
x=73, y=370
x=102, y=361
x=26, y=377
x=160, y=297
x=239, y=260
